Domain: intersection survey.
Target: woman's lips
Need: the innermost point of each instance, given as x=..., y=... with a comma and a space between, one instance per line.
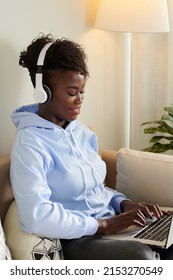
x=75, y=111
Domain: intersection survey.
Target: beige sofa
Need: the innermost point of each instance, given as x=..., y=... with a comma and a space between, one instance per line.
x=141, y=176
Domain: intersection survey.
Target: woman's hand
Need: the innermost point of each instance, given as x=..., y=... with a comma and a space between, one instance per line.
x=121, y=222
x=146, y=208
x=133, y=214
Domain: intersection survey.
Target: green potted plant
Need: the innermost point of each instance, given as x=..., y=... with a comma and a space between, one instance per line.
x=163, y=130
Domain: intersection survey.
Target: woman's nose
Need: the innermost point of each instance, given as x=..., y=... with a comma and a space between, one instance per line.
x=79, y=98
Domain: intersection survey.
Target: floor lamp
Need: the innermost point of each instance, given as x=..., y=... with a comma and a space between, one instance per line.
x=132, y=16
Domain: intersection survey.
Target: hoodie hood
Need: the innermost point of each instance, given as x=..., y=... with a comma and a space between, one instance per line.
x=27, y=116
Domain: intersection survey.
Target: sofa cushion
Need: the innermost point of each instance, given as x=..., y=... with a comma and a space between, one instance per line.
x=145, y=176
x=4, y=250
x=24, y=246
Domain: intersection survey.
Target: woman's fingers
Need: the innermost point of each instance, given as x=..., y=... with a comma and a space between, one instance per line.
x=151, y=209
x=140, y=219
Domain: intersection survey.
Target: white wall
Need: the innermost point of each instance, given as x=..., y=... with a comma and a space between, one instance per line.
x=23, y=20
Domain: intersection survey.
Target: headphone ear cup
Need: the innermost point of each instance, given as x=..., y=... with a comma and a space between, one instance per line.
x=48, y=92
x=43, y=94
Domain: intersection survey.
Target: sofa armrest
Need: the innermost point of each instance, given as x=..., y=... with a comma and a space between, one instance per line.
x=109, y=156
x=6, y=194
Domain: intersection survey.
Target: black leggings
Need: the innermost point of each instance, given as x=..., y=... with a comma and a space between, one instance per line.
x=98, y=248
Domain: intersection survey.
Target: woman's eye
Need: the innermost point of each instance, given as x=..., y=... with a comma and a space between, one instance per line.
x=75, y=93
x=72, y=93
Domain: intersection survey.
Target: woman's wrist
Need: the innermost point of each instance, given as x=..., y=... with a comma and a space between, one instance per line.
x=124, y=204
x=102, y=226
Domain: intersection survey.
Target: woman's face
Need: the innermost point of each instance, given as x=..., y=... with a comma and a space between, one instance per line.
x=67, y=97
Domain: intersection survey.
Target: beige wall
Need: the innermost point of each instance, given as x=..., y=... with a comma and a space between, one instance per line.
x=21, y=21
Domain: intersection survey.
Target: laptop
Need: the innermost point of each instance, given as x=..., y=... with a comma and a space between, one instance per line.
x=157, y=232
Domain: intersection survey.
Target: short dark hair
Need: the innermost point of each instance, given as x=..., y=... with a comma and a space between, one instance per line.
x=63, y=54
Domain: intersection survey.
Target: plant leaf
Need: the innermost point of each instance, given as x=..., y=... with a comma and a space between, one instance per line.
x=167, y=118
x=159, y=148
x=163, y=127
x=158, y=138
x=152, y=122
x=169, y=110
x=150, y=130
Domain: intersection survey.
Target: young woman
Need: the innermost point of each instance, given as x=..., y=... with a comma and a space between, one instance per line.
x=56, y=172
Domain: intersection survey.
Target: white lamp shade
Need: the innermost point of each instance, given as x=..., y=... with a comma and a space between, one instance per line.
x=133, y=15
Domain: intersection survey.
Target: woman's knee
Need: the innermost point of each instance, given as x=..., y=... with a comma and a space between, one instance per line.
x=140, y=251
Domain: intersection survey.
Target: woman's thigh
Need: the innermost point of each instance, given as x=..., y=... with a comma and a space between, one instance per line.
x=98, y=248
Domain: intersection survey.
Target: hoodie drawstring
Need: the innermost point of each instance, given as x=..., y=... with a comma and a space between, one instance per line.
x=92, y=167
x=84, y=175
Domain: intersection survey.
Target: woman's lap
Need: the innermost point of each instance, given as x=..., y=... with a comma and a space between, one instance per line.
x=98, y=248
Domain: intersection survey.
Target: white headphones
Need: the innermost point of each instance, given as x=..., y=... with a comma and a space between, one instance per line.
x=42, y=93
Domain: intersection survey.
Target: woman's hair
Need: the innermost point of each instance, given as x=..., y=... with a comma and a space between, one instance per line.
x=63, y=54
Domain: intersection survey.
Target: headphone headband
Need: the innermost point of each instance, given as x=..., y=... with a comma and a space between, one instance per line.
x=42, y=54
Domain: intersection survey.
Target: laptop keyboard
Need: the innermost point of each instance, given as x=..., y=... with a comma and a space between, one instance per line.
x=157, y=230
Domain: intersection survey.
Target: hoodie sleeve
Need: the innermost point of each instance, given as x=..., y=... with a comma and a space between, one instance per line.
x=37, y=213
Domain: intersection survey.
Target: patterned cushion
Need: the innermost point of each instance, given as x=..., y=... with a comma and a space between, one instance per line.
x=4, y=250
x=24, y=246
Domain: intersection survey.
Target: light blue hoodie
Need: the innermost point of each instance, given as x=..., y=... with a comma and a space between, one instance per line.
x=57, y=177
